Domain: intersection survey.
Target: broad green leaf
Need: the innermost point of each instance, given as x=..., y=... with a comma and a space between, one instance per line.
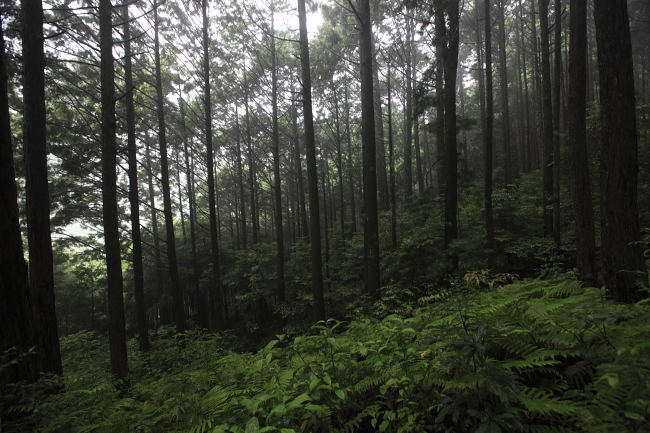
x=252, y=426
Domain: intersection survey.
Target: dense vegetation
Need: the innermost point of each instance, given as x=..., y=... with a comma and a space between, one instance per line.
x=530, y=355
x=420, y=215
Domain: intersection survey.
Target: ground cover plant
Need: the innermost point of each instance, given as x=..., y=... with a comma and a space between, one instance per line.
x=530, y=356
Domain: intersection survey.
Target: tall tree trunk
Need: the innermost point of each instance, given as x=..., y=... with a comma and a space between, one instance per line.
x=302, y=209
x=339, y=160
x=382, y=176
x=216, y=304
x=116, y=324
x=277, y=181
x=557, y=78
x=441, y=172
x=583, y=206
x=251, y=166
x=393, y=204
x=505, y=111
x=371, y=218
x=416, y=142
x=481, y=70
x=199, y=298
x=547, y=120
x=353, y=213
x=136, y=236
x=175, y=282
x=312, y=175
x=41, y=267
x=17, y=321
x=623, y=258
x=529, y=129
x=450, y=66
x=160, y=284
x=180, y=194
x=522, y=105
x=408, y=117
x=489, y=135
x=240, y=181
x=537, y=105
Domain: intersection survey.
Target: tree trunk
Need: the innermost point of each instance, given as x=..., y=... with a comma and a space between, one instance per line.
x=557, y=78
x=312, y=175
x=200, y=298
x=505, y=111
x=547, y=120
x=17, y=321
x=240, y=181
x=382, y=176
x=450, y=66
x=408, y=115
x=136, y=237
x=216, y=304
x=251, y=166
x=339, y=161
x=277, y=181
x=302, y=209
x=489, y=135
x=177, y=299
x=583, y=206
x=371, y=218
x=116, y=324
x=41, y=268
x=441, y=172
x=393, y=204
x=353, y=207
x=623, y=259
x=160, y=284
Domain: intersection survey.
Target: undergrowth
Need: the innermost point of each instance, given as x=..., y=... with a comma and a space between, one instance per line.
x=529, y=356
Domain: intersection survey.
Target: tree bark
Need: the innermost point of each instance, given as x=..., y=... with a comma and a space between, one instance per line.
x=200, y=298
x=17, y=321
x=277, y=181
x=547, y=120
x=623, y=259
x=557, y=78
x=240, y=182
x=312, y=175
x=41, y=267
x=136, y=237
x=408, y=116
x=216, y=307
x=116, y=323
x=382, y=176
x=177, y=299
x=489, y=135
x=505, y=109
x=353, y=213
x=371, y=217
x=251, y=165
x=160, y=284
x=302, y=209
x=583, y=205
x=450, y=66
x=393, y=201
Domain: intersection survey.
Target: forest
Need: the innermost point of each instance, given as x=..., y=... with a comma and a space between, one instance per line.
x=324, y=216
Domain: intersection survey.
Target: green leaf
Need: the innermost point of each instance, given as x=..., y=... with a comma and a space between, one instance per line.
x=340, y=394
x=252, y=426
x=585, y=415
x=298, y=401
x=612, y=379
x=634, y=416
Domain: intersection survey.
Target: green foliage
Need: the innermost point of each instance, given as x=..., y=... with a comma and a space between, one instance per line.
x=530, y=355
